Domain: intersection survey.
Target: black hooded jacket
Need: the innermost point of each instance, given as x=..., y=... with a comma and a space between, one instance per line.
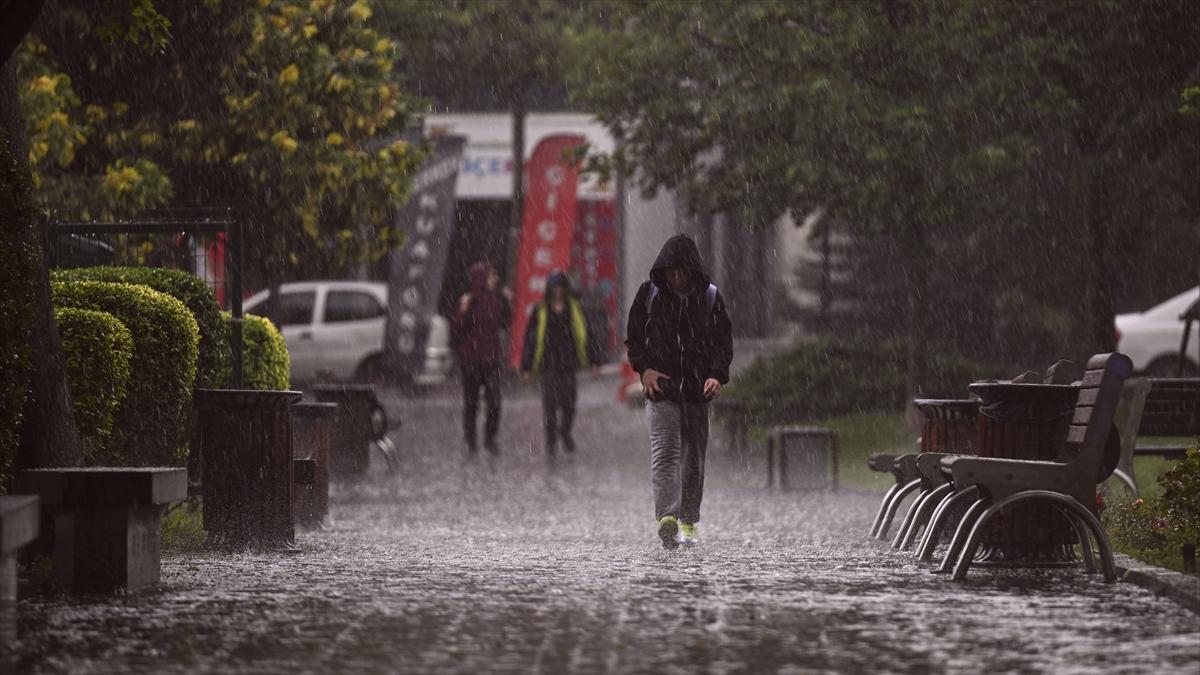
x=676, y=335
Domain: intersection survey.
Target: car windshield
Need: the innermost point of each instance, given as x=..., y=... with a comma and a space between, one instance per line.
x=1171, y=309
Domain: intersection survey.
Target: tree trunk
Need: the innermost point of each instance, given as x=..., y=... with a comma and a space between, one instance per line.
x=48, y=433
x=916, y=342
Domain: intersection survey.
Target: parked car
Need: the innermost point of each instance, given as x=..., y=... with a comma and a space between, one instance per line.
x=1151, y=338
x=334, y=331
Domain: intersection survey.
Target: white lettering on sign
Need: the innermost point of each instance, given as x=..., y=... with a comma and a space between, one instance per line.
x=411, y=297
x=551, y=201
x=547, y=229
x=537, y=284
x=428, y=201
x=415, y=272
x=406, y=344
x=426, y=223
x=543, y=257
x=555, y=176
x=408, y=320
x=420, y=251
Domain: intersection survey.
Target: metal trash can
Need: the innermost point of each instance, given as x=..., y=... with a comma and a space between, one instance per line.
x=807, y=457
x=313, y=426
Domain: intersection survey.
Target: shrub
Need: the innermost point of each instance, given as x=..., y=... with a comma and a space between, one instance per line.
x=98, y=350
x=837, y=376
x=18, y=269
x=1157, y=528
x=149, y=424
x=214, y=364
x=265, y=361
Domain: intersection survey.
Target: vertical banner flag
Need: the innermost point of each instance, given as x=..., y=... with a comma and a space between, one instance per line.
x=594, y=258
x=415, y=271
x=546, y=230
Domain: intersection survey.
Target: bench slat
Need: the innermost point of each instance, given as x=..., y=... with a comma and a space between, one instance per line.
x=1076, y=434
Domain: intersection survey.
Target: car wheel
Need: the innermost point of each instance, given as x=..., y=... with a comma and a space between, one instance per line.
x=1168, y=366
x=371, y=371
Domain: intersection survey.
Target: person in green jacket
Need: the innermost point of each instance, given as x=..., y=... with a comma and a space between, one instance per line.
x=556, y=346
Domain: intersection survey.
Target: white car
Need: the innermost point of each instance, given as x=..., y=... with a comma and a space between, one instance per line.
x=1151, y=338
x=334, y=331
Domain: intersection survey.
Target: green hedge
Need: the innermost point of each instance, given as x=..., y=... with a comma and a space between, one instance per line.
x=830, y=377
x=214, y=364
x=150, y=424
x=265, y=361
x=98, y=350
x=18, y=270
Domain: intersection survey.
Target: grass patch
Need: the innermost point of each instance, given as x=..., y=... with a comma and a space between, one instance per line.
x=860, y=436
x=183, y=525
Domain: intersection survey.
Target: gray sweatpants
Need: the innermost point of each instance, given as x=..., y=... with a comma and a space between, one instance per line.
x=678, y=441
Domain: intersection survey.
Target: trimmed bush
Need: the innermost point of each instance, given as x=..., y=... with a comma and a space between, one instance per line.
x=98, y=350
x=832, y=376
x=265, y=361
x=150, y=423
x=214, y=365
x=18, y=270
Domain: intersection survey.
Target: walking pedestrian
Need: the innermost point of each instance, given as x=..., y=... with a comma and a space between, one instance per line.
x=482, y=314
x=680, y=342
x=556, y=346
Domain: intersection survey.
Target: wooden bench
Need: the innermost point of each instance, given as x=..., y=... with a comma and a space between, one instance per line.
x=19, y=520
x=1158, y=407
x=996, y=484
x=106, y=522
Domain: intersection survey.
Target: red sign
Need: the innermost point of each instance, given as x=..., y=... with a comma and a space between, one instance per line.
x=594, y=259
x=546, y=232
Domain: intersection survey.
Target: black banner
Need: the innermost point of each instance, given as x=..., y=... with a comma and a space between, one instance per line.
x=415, y=271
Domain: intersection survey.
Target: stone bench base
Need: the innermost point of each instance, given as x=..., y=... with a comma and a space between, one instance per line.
x=106, y=523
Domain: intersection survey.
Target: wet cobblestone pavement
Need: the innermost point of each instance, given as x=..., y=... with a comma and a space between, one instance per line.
x=524, y=568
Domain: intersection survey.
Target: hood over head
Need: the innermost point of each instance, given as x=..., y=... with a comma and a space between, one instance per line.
x=478, y=274
x=679, y=251
x=558, y=278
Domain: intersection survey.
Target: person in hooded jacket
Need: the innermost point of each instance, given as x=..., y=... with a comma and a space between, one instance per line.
x=482, y=315
x=556, y=346
x=680, y=341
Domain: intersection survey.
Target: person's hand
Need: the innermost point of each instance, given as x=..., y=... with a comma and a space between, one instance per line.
x=712, y=388
x=507, y=292
x=650, y=383
x=464, y=303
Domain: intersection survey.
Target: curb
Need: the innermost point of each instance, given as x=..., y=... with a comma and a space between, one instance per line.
x=1182, y=588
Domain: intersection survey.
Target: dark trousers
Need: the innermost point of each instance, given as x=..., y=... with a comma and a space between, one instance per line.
x=474, y=377
x=559, y=393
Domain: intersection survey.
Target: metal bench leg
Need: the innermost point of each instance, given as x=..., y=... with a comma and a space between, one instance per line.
x=962, y=535
x=887, y=497
x=894, y=506
x=1081, y=513
x=934, y=531
x=1085, y=540
x=1127, y=480
x=909, y=516
x=922, y=518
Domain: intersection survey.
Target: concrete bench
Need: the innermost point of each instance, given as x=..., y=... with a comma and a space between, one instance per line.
x=19, y=519
x=811, y=452
x=105, y=522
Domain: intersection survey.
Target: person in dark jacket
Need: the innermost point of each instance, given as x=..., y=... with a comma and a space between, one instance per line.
x=557, y=345
x=482, y=315
x=680, y=342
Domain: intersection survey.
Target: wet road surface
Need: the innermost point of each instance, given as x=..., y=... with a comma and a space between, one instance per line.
x=521, y=567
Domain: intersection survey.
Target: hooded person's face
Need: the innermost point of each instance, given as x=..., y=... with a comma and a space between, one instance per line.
x=680, y=279
x=493, y=279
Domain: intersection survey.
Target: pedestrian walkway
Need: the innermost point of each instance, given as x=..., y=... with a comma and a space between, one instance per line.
x=518, y=567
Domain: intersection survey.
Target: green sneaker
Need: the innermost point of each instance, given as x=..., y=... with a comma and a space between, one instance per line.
x=689, y=534
x=668, y=527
